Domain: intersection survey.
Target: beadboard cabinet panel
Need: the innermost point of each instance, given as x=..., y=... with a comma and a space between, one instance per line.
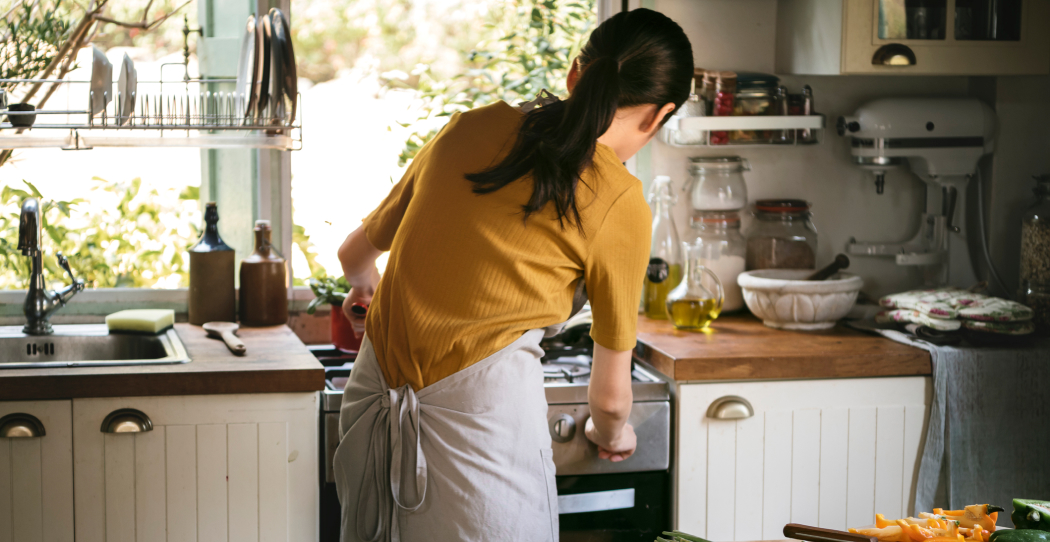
x=36, y=476
x=823, y=452
x=213, y=469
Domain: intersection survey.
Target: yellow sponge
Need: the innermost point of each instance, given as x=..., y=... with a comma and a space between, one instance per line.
x=141, y=320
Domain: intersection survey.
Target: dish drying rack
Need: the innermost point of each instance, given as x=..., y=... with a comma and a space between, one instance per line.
x=701, y=128
x=206, y=119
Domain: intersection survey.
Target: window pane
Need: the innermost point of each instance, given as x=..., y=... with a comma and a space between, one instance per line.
x=132, y=212
x=912, y=19
x=998, y=20
x=380, y=77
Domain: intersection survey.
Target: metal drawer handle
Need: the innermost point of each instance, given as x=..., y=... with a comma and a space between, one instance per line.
x=21, y=425
x=730, y=407
x=127, y=420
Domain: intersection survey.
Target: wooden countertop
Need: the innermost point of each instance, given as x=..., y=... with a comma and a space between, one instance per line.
x=741, y=348
x=276, y=361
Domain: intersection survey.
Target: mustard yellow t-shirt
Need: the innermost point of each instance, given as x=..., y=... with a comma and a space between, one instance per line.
x=467, y=276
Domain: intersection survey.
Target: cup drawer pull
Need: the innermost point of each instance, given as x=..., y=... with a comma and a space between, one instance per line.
x=21, y=425
x=127, y=420
x=730, y=407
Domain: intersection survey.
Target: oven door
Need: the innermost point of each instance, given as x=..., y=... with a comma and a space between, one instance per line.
x=633, y=506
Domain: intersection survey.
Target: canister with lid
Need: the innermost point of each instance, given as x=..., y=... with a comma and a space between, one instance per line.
x=782, y=236
x=716, y=183
x=755, y=96
x=721, y=248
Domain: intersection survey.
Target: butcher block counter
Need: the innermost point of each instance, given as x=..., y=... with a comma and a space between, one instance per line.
x=742, y=348
x=276, y=361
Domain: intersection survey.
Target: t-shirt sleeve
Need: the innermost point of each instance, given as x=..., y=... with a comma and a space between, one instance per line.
x=615, y=269
x=382, y=223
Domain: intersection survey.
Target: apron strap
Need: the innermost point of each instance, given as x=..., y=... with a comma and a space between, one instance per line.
x=400, y=407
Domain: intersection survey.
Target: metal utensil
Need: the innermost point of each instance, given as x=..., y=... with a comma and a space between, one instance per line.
x=225, y=331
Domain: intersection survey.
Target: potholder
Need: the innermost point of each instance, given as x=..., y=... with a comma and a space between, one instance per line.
x=1002, y=328
x=937, y=303
x=992, y=309
x=917, y=317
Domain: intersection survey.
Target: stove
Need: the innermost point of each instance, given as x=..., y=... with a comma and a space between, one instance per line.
x=597, y=499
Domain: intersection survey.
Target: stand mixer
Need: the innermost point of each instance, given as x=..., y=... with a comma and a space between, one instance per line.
x=941, y=140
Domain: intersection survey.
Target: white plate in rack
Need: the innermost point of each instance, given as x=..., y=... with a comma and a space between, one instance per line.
x=127, y=85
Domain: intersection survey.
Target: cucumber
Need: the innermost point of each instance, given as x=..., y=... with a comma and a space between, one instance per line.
x=1020, y=535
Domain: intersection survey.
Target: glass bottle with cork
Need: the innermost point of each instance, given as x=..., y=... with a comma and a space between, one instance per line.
x=264, y=282
x=212, y=294
x=665, y=256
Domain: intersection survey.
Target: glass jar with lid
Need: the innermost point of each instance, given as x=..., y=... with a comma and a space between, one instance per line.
x=716, y=183
x=1035, y=256
x=755, y=96
x=782, y=236
x=722, y=248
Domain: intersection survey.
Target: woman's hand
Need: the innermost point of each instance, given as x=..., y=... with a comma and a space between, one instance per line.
x=614, y=449
x=355, y=296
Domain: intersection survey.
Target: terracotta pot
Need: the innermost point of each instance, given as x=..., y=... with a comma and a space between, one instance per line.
x=342, y=332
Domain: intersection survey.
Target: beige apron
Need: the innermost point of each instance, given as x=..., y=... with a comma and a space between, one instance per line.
x=466, y=458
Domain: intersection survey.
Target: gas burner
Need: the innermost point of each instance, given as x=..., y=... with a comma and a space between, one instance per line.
x=567, y=369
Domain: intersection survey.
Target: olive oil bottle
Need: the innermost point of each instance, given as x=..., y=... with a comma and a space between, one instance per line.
x=665, y=257
x=697, y=300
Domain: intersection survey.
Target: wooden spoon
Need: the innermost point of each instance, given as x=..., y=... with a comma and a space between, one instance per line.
x=225, y=331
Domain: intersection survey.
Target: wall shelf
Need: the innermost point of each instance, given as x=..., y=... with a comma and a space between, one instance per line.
x=670, y=132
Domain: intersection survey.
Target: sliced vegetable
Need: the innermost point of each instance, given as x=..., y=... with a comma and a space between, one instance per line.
x=1031, y=514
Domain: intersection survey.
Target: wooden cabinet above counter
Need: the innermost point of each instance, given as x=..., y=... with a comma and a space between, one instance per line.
x=741, y=348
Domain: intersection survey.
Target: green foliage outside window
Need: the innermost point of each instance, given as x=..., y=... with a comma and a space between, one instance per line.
x=127, y=237
x=529, y=47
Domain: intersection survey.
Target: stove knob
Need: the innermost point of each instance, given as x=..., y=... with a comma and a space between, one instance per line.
x=563, y=428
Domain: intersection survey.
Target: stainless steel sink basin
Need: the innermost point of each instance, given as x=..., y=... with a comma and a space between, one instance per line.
x=87, y=346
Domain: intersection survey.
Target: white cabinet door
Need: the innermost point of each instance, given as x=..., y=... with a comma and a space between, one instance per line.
x=214, y=468
x=36, y=476
x=829, y=453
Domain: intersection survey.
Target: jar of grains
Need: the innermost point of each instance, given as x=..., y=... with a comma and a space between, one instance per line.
x=782, y=236
x=722, y=249
x=1035, y=256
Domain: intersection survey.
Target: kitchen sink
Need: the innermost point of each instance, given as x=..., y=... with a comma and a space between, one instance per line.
x=87, y=346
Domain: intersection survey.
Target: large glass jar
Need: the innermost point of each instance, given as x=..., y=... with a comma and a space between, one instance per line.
x=755, y=96
x=722, y=248
x=716, y=183
x=1035, y=256
x=782, y=236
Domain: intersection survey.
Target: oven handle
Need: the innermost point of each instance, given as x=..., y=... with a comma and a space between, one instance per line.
x=598, y=501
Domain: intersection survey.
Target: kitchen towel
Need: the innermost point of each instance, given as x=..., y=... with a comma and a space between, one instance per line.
x=988, y=434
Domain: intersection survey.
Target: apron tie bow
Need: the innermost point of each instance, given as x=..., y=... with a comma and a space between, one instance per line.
x=400, y=408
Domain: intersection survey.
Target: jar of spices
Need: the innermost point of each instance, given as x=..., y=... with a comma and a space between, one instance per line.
x=725, y=97
x=755, y=96
x=708, y=91
x=693, y=107
x=716, y=183
x=1035, y=256
x=782, y=236
x=723, y=250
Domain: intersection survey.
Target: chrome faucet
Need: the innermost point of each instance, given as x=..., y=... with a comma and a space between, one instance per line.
x=40, y=303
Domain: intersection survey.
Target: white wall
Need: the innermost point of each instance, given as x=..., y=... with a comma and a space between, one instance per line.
x=740, y=35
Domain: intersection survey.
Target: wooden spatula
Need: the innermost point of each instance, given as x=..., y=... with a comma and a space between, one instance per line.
x=225, y=331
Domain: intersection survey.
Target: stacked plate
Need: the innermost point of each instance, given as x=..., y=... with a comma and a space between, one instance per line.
x=102, y=85
x=266, y=74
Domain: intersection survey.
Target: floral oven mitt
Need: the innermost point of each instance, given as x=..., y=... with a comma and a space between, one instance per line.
x=950, y=303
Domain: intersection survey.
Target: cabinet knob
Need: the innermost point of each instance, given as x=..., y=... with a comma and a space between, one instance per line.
x=127, y=420
x=21, y=425
x=730, y=407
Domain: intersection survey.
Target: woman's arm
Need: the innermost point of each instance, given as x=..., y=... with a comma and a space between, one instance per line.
x=358, y=256
x=609, y=397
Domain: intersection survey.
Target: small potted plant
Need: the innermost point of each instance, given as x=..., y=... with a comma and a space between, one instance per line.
x=333, y=292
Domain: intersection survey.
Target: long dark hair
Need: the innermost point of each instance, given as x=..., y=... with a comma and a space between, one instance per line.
x=635, y=58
